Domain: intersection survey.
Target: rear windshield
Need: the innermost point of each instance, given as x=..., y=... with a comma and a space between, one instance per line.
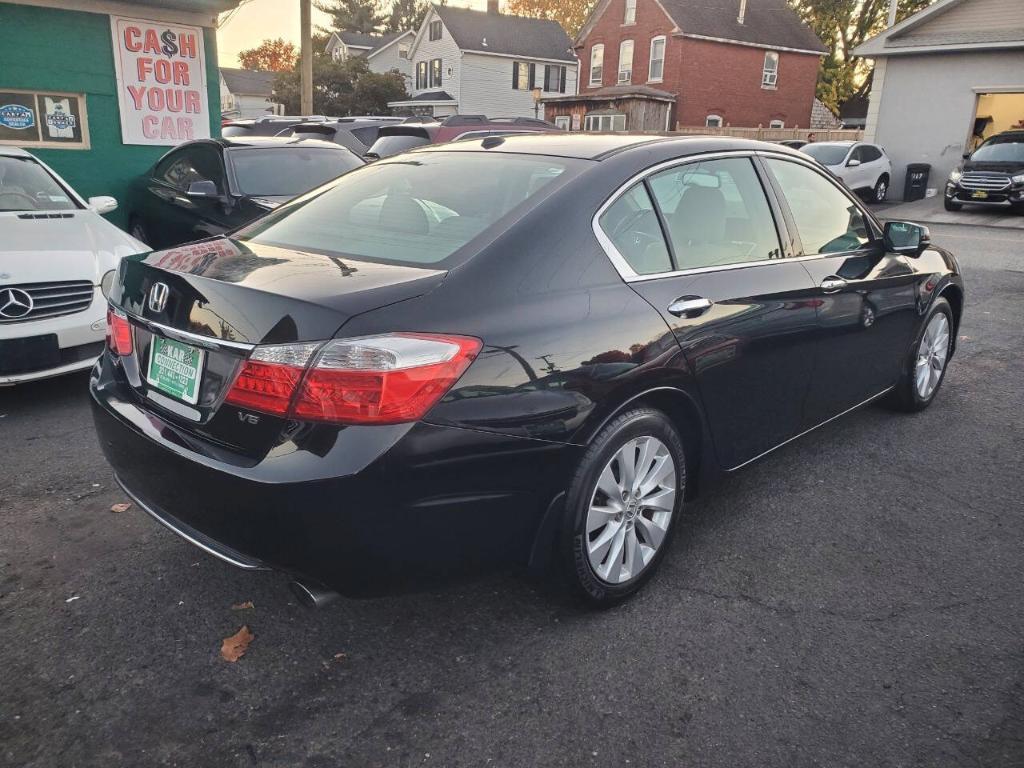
x=826, y=154
x=388, y=146
x=416, y=209
x=288, y=171
x=26, y=186
x=1001, y=149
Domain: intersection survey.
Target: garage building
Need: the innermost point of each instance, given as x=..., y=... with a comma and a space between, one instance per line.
x=945, y=79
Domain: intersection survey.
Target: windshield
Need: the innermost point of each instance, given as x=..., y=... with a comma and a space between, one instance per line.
x=826, y=154
x=388, y=146
x=417, y=209
x=288, y=171
x=1001, y=149
x=26, y=186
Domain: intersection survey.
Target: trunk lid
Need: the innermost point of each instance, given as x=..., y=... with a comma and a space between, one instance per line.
x=222, y=297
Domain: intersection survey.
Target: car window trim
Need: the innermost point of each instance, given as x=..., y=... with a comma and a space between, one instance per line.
x=178, y=151
x=874, y=242
x=622, y=266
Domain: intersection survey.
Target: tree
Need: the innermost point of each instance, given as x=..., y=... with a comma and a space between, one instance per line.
x=341, y=88
x=354, y=15
x=842, y=25
x=269, y=56
x=571, y=14
x=407, y=14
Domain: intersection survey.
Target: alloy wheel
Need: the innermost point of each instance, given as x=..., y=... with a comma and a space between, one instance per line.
x=630, y=509
x=932, y=354
x=881, y=189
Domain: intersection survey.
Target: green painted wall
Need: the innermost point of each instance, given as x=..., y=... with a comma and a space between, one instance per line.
x=51, y=49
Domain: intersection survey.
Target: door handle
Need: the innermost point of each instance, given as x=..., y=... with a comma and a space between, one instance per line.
x=833, y=284
x=690, y=306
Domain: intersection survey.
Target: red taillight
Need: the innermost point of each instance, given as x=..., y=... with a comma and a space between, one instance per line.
x=371, y=380
x=119, y=332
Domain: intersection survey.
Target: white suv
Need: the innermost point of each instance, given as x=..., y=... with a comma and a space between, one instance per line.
x=862, y=167
x=55, y=249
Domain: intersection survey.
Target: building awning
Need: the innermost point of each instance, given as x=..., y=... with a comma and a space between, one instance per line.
x=615, y=93
x=194, y=6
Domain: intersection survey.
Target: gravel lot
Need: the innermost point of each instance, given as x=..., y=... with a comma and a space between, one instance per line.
x=853, y=600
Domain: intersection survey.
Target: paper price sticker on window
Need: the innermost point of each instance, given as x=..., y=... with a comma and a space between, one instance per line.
x=161, y=81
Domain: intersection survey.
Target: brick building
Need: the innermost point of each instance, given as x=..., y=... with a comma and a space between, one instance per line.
x=656, y=64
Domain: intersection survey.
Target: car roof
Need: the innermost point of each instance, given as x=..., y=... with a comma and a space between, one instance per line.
x=14, y=152
x=834, y=143
x=597, y=146
x=235, y=142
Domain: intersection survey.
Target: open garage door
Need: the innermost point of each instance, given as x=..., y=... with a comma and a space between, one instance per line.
x=996, y=112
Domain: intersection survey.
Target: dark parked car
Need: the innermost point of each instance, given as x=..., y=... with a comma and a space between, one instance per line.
x=211, y=186
x=270, y=125
x=506, y=351
x=395, y=139
x=792, y=143
x=356, y=134
x=992, y=175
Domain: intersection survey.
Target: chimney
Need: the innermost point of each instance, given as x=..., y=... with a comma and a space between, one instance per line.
x=743, y=11
x=492, y=7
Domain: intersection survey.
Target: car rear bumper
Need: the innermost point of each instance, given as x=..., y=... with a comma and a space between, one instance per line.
x=433, y=503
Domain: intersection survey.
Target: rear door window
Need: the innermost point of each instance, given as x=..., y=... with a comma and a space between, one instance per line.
x=869, y=154
x=716, y=213
x=631, y=223
x=827, y=219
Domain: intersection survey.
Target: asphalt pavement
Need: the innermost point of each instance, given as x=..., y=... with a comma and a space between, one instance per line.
x=852, y=600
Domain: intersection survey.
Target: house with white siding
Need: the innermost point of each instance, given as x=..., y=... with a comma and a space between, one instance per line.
x=486, y=62
x=382, y=52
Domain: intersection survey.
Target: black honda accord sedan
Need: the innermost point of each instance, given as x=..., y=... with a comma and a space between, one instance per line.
x=520, y=350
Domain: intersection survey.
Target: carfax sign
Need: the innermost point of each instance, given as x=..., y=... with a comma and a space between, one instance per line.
x=161, y=81
x=43, y=119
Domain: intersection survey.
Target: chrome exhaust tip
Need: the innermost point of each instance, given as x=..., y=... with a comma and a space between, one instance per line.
x=313, y=596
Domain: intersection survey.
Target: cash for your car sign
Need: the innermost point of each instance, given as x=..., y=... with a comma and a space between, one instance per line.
x=161, y=81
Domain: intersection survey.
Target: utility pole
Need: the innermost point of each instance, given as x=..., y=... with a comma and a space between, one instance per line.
x=893, y=5
x=306, y=22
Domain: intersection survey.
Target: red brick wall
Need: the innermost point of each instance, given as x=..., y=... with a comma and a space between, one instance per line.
x=708, y=77
x=723, y=79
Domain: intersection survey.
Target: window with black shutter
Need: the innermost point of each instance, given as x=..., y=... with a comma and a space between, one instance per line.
x=421, y=75
x=435, y=73
x=435, y=30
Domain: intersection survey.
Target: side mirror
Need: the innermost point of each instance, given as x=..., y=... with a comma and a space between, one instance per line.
x=202, y=189
x=966, y=155
x=854, y=162
x=102, y=204
x=905, y=238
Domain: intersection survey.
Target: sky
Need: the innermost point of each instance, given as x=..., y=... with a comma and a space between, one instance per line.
x=256, y=20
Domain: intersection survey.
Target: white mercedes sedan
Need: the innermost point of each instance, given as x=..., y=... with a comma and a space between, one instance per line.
x=55, y=249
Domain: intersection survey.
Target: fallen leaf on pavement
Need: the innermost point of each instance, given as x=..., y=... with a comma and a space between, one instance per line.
x=121, y=507
x=340, y=656
x=235, y=646
x=242, y=606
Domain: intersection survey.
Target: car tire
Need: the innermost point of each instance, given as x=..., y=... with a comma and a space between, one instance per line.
x=881, y=189
x=615, y=531
x=934, y=342
x=949, y=205
x=138, y=231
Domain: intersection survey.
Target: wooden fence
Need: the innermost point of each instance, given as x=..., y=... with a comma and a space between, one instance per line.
x=774, y=134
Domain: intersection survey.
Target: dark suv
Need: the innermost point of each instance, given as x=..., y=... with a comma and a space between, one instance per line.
x=395, y=139
x=992, y=175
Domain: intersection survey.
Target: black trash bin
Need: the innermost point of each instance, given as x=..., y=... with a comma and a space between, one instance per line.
x=917, y=181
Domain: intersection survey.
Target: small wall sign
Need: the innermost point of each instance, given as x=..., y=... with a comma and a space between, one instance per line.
x=43, y=119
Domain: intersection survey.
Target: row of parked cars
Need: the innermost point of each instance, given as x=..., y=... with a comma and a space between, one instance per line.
x=199, y=189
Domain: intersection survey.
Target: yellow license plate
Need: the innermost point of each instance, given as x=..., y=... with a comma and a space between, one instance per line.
x=979, y=194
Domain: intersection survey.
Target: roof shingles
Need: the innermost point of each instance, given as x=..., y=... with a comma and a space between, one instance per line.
x=767, y=22
x=507, y=35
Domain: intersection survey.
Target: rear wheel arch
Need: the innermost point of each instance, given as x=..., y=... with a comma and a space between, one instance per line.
x=681, y=410
x=955, y=297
